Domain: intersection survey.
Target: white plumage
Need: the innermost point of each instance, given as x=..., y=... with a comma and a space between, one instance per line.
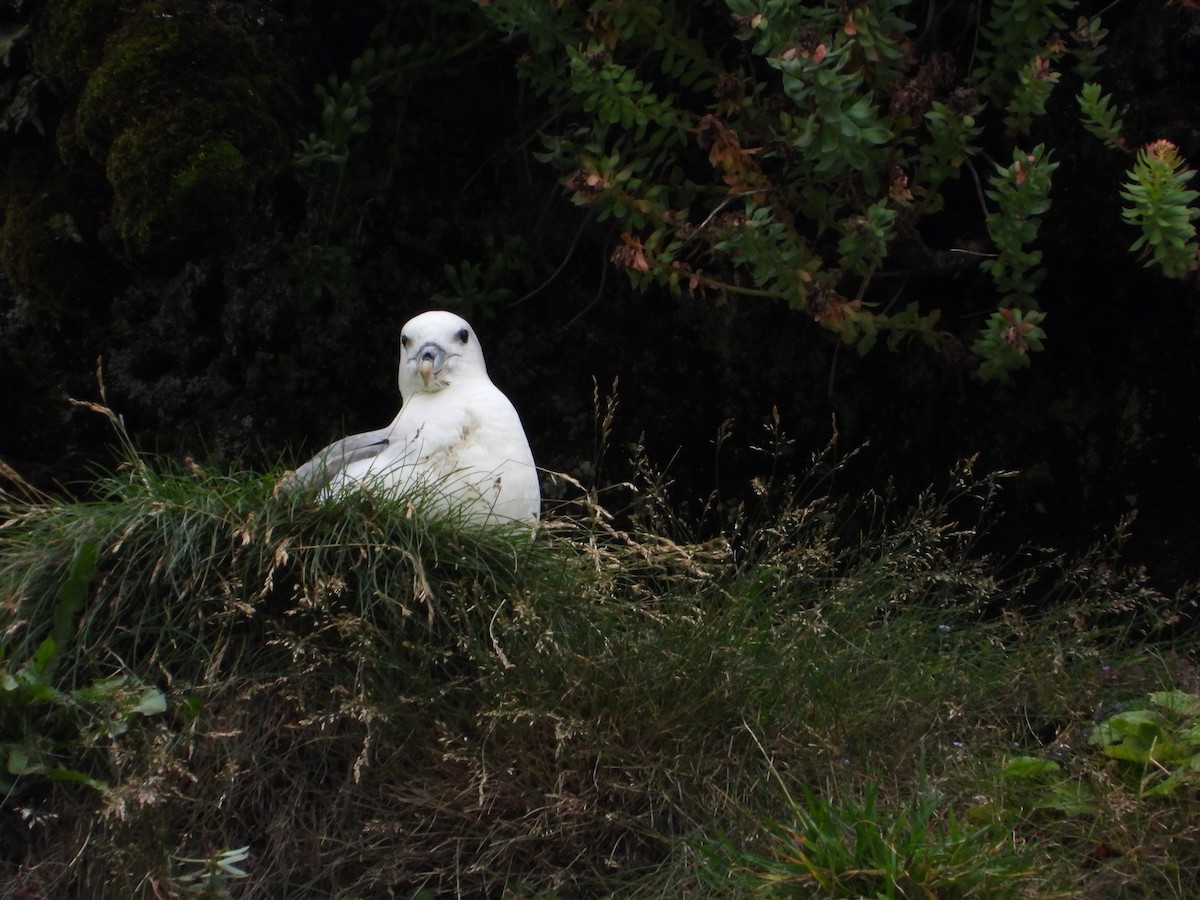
x=456, y=438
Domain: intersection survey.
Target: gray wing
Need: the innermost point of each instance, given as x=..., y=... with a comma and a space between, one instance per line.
x=320, y=470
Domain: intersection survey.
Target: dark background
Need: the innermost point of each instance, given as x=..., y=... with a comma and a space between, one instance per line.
x=218, y=340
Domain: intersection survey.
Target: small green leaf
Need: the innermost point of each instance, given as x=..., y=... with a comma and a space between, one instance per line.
x=1029, y=767
x=18, y=762
x=1177, y=701
x=44, y=655
x=152, y=702
x=74, y=775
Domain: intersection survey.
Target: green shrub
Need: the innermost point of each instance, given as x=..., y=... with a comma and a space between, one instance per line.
x=1158, y=203
x=801, y=152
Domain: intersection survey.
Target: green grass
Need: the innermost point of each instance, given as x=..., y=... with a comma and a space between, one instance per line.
x=206, y=687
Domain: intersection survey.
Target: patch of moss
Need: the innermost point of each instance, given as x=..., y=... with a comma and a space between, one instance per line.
x=47, y=249
x=69, y=40
x=169, y=189
x=189, y=116
x=71, y=151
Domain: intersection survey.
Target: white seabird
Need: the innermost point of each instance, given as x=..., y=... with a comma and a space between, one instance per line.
x=457, y=439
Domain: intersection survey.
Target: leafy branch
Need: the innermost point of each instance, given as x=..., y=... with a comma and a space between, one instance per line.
x=1159, y=203
x=1099, y=116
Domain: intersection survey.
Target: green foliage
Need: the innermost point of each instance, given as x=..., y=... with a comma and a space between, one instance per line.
x=802, y=195
x=1158, y=202
x=952, y=131
x=1021, y=192
x=1099, y=116
x=616, y=97
x=1035, y=81
x=1147, y=755
x=571, y=713
x=469, y=283
x=830, y=139
x=1089, y=35
x=1016, y=32
x=61, y=736
x=345, y=104
x=863, y=847
x=1159, y=743
x=1005, y=342
x=1035, y=785
x=865, y=238
x=634, y=164
x=42, y=725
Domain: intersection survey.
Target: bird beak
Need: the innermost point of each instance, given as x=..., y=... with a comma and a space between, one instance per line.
x=430, y=359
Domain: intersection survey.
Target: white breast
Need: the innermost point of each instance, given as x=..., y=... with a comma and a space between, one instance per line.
x=463, y=447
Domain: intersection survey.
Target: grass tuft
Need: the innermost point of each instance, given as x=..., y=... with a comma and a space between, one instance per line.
x=206, y=686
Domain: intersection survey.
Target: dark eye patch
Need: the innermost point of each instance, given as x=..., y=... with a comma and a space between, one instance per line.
x=463, y=335
x=404, y=341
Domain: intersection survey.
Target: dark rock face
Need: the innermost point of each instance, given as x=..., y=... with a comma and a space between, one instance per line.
x=247, y=308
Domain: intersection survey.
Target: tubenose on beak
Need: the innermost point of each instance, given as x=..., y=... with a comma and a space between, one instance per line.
x=430, y=359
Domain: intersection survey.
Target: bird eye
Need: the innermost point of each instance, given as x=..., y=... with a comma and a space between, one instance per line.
x=404, y=341
x=463, y=335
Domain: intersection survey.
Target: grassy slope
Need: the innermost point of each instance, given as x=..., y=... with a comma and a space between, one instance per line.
x=370, y=700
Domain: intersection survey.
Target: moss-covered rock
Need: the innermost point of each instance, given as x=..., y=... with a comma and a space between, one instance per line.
x=171, y=187
x=189, y=116
x=47, y=247
x=69, y=40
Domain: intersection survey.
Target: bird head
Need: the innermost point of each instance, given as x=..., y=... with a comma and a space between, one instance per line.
x=437, y=349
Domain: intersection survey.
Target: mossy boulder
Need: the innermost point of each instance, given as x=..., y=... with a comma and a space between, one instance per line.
x=190, y=117
x=46, y=250
x=69, y=40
